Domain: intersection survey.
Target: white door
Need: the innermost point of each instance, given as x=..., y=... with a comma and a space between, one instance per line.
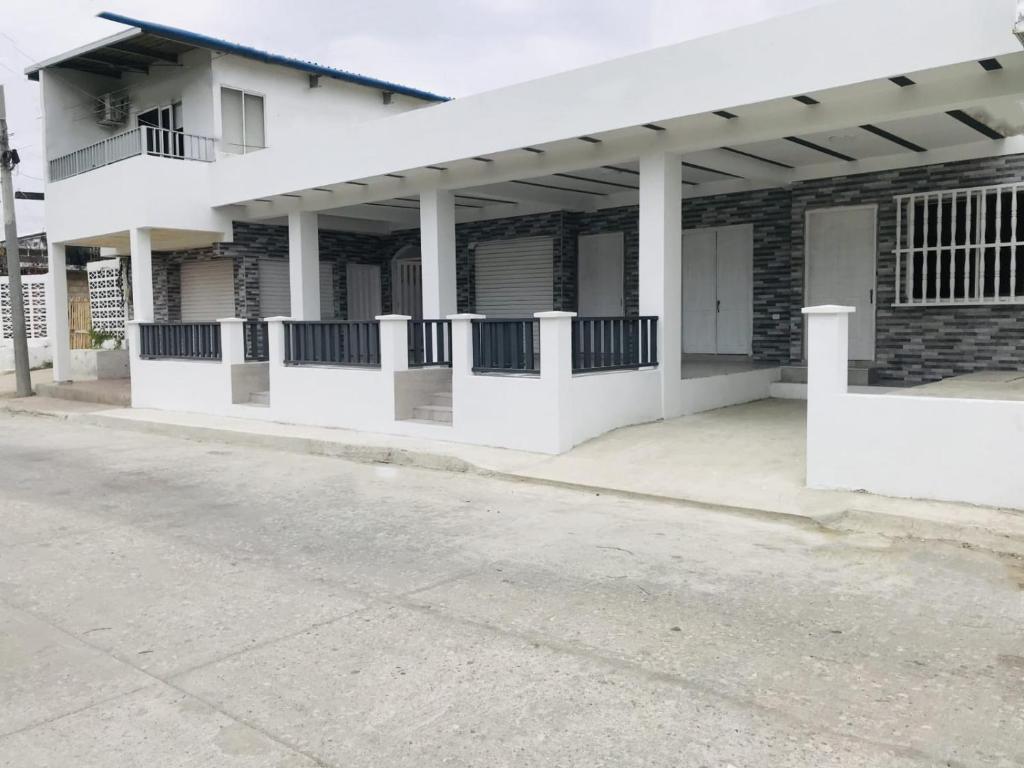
x=514, y=278
x=363, y=287
x=699, y=291
x=275, y=289
x=718, y=266
x=407, y=282
x=207, y=290
x=601, y=268
x=734, y=325
x=841, y=245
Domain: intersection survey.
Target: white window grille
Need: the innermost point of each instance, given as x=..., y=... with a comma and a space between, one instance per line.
x=961, y=246
x=106, y=296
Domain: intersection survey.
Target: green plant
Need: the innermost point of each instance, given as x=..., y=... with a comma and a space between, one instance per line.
x=98, y=337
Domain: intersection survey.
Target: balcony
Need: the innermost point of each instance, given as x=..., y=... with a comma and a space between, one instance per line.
x=144, y=140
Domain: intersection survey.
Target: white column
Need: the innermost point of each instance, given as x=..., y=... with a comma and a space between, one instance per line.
x=828, y=339
x=437, y=253
x=57, y=312
x=232, y=340
x=304, y=265
x=141, y=245
x=394, y=343
x=556, y=374
x=661, y=238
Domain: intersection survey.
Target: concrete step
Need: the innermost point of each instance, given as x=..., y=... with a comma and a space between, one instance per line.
x=859, y=375
x=441, y=398
x=103, y=391
x=259, y=398
x=441, y=414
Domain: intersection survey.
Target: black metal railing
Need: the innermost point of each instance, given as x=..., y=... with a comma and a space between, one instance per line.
x=506, y=346
x=430, y=343
x=332, y=343
x=614, y=343
x=256, y=336
x=179, y=341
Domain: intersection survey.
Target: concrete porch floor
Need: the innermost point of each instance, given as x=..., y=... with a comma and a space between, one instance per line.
x=984, y=385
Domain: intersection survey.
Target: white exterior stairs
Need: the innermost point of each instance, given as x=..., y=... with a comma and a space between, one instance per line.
x=261, y=399
x=438, y=408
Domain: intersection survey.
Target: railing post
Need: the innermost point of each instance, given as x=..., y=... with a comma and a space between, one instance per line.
x=232, y=340
x=394, y=342
x=275, y=340
x=827, y=379
x=462, y=343
x=556, y=373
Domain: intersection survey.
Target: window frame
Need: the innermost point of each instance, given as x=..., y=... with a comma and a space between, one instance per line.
x=245, y=147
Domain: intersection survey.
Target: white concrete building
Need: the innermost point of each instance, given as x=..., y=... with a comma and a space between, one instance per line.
x=536, y=265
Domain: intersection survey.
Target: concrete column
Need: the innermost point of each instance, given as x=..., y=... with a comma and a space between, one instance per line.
x=437, y=253
x=232, y=340
x=394, y=343
x=304, y=265
x=827, y=374
x=661, y=242
x=141, y=246
x=556, y=374
x=57, y=312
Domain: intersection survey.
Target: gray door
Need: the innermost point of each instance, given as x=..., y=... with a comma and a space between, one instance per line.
x=601, y=275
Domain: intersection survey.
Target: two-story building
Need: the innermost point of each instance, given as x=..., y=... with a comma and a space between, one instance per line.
x=535, y=265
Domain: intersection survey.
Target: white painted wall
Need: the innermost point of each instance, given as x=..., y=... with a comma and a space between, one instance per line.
x=917, y=447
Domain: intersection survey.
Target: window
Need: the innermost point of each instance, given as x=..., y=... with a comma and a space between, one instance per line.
x=242, y=128
x=963, y=246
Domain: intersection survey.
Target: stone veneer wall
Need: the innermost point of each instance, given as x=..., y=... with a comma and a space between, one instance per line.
x=915, y=345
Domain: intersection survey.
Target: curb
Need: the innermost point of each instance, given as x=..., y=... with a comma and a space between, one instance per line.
x=850, y=521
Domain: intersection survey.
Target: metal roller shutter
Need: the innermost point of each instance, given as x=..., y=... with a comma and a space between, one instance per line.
x=207, y=290
x=275, y=299
x=515, y=278
x=275, y=290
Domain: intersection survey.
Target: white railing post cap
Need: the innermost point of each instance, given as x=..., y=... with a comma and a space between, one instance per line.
x=276, y=319
x=230, y=320
x=392, y=317
x=829, y=309
x=554, y=313
x=466, y=316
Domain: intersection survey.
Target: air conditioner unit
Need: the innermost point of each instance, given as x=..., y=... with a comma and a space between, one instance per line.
x=112, y=110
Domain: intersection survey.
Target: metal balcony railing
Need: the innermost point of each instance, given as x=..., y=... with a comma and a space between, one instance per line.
x=144, y=140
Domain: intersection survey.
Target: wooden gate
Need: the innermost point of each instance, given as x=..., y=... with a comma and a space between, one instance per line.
x=80, y=323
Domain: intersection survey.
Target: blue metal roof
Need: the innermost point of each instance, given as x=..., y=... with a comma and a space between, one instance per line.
x=213, y=43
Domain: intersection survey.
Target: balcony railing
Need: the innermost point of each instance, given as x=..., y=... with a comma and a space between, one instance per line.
x=430, y=343
x=144, y=140
x=614, y=343
x=332, y=343
x=506, y=346
x=255, y=336
x=179, y=341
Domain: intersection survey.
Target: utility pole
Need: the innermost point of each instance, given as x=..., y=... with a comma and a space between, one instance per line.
x=8, y=159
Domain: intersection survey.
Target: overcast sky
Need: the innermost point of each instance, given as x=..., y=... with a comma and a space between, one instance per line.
x=452, y=47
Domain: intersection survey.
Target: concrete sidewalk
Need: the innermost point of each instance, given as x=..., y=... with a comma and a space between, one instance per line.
x=746, y=459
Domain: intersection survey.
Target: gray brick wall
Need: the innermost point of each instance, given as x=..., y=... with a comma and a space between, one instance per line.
x=915, y=345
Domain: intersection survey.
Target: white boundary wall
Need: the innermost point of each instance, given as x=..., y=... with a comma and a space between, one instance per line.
x=918, y=447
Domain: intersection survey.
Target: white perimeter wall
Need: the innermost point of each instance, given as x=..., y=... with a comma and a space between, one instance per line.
x=917, y=447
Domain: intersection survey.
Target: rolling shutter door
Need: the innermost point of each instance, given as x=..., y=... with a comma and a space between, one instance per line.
x=515, y=278
x=275, y=289
x=207, y=290
x=275, y=298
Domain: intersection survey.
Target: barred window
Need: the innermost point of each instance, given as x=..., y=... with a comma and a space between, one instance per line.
x=963, y=246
